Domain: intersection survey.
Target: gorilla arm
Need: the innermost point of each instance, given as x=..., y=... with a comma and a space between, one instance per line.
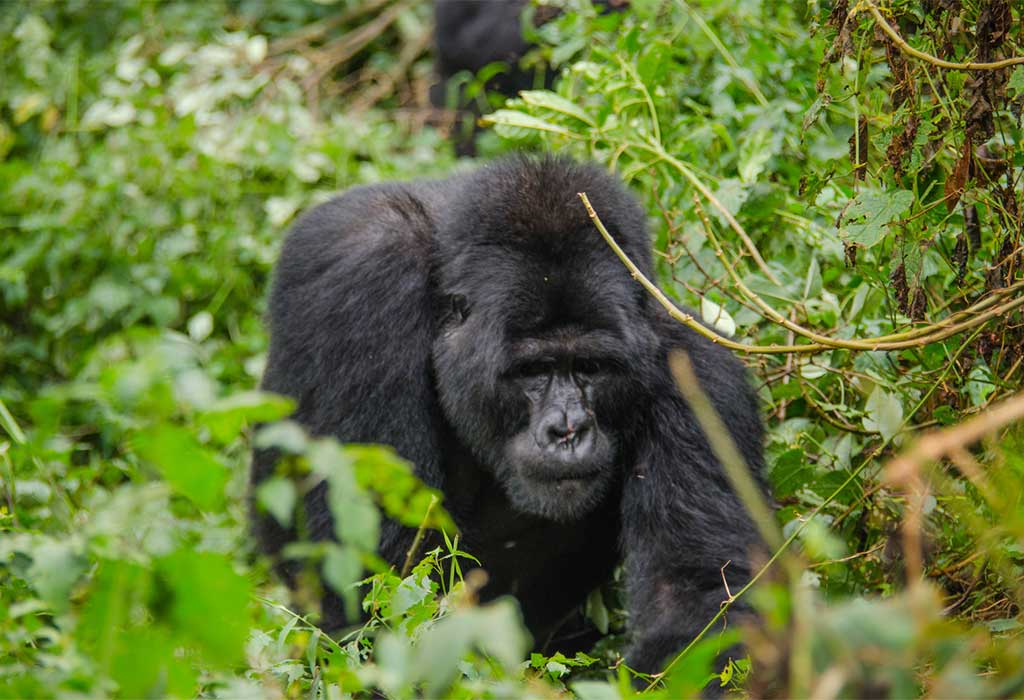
x=351, y=332
x=685, y=533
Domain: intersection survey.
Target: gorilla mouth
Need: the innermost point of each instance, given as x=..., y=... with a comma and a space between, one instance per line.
x=566, y=477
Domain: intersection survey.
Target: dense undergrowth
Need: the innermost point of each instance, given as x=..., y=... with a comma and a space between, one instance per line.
x=847, y=209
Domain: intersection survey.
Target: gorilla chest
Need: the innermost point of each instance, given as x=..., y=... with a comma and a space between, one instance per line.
x=549, y=566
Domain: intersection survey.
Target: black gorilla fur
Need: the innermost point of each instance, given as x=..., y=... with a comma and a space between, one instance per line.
x=482, y=327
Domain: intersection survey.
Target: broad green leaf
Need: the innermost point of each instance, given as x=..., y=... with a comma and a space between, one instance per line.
x=200, y=326
x=184, y=463
x=343, y=569
x=116, y=598
x=511, y=118
x=209, y=602
x=278, y=496
x=56, y=567
x=790, y=472
x=980, y=384
x=556, y=103
x=227, y=417
x=495, y=629
x=867, y=217
x=884, y=413
x=401, y=494
x=755, y=152
x=1016, y=81
x=285, y=435
x=356, y=518
x=717, y=317
x=595, y=690
x=596, y=611
x=695, y=670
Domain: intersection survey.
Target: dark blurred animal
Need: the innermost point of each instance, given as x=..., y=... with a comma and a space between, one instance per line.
x=472, y=34
x=481, y=327
x=469, y=35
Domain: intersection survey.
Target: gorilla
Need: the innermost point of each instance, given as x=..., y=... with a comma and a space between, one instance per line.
x=482, y=327
x=470, y=35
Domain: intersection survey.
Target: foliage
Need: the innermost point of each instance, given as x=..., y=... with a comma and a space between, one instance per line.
x=151, y=157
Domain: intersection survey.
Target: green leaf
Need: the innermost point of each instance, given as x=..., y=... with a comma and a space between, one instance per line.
x=691, y=673
x=116, y=629
x=595, y=690
x=884, y=413
x=869, y=214
x=717, y=317
x=56, y=567
x=596, y=611
x=980, y=384
x=519, y=120
x=495, y=629
x=1016, y=81
x=1007, y=624
x=285, y=435
x=208, y=603
x=227, y=417
x=185, y=464
x=556, y=103
x=790, y=472
x=278, y=496
x=400, y=493
x=356, y=518
x=755, y=152
x=343, y=569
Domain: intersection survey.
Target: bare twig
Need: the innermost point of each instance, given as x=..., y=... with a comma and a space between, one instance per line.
x=913, y=338
x=317, y=30
x=414, y=548
x=724, y=448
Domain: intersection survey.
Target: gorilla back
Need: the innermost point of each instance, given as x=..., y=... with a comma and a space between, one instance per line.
x=481, y=327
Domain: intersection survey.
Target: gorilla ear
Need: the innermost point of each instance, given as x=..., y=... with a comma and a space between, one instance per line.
x=460, y=308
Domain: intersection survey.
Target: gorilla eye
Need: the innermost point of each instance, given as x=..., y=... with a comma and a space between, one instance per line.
x=460, y=308
x=588, y=366
x=534, y=368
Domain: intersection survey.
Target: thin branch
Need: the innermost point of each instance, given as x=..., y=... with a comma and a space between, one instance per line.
x=928, y=334
x=724, y=449
x=414, y=548
x=691, y=176
x=921, y=55
x=914, y=338
x=317, y=30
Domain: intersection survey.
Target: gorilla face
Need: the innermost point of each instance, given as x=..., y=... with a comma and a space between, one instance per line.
x=544, y=391
x=561, y=460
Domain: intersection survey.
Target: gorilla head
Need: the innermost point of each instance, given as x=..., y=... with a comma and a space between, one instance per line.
x=539, y=357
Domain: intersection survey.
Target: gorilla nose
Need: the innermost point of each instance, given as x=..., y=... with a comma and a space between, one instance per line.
x=567, y=429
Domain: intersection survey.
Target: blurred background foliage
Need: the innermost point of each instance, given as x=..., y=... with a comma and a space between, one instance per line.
x=810, y=183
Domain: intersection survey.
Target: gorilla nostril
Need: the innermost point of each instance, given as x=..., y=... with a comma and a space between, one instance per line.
x=559, y=432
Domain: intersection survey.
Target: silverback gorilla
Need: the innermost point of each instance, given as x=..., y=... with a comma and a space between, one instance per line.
x=482, y=327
